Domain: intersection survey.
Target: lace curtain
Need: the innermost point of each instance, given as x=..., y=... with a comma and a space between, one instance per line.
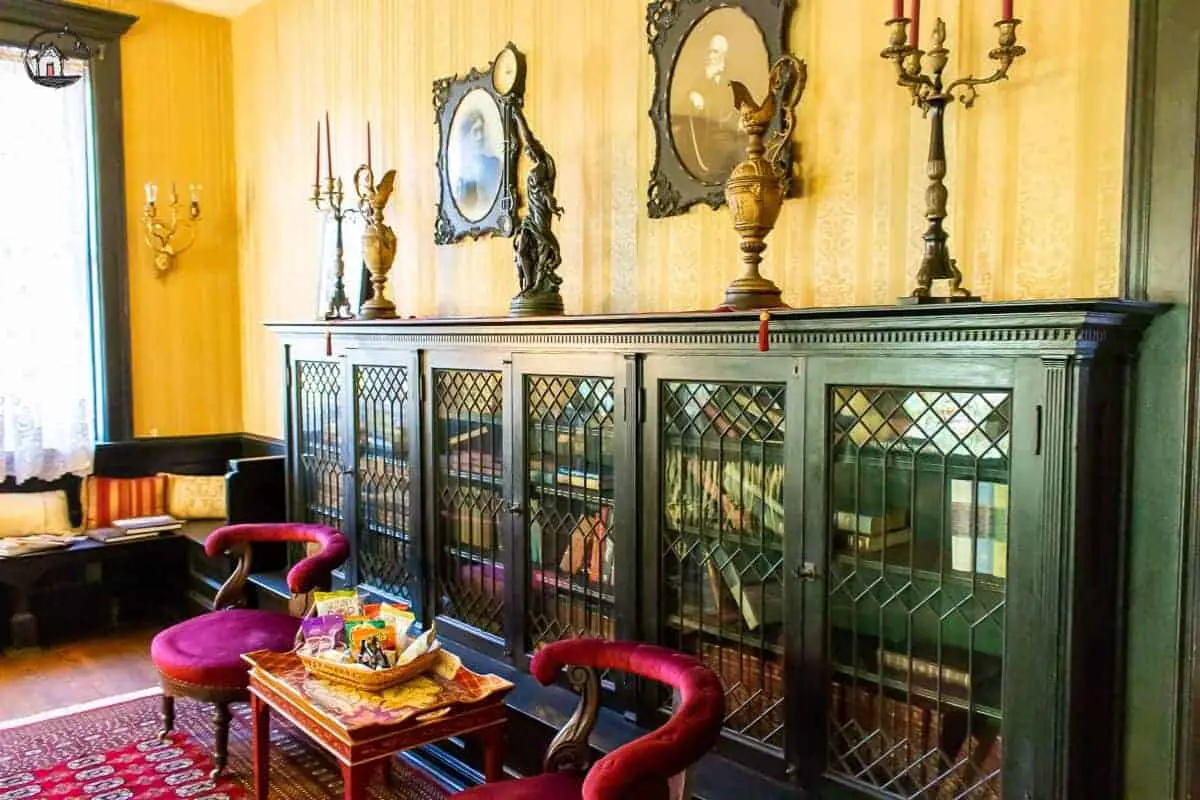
x=47, y=388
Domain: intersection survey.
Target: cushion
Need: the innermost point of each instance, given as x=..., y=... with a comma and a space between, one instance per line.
x=548, y=786
x=195, y=496
x=23, y=513
x=207, y=650
x=106, y=499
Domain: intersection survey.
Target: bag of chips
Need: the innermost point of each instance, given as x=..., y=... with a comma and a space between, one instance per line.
x=344, y=601
x=322, y=633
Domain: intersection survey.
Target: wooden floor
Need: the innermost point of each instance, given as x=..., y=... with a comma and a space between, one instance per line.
x=55, y=676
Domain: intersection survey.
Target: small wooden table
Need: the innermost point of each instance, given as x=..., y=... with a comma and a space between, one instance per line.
x=425, y=710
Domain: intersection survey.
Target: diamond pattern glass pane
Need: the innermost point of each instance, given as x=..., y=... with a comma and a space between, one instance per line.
x=571, y=519
x=918, y=543
x=721, y=495
x=319, y=384
x=384, y=524
x=468, y=441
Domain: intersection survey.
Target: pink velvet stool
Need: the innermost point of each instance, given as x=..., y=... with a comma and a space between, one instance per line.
x=201, y=657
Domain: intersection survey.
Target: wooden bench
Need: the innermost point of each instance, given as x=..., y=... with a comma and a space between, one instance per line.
x=168, y=572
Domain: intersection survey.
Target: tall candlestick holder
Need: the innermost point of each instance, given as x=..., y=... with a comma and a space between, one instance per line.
x=330, y=199
x=933, y=96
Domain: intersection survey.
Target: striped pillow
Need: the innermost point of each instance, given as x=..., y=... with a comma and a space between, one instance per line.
x=106, y=499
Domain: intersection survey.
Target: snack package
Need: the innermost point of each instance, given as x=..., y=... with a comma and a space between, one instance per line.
x=323, y=633
x=344, y=601
x=361, y=630
x=398, y=616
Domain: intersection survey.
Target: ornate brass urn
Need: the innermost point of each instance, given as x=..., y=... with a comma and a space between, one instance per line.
x=754, y=189
x=378, y=240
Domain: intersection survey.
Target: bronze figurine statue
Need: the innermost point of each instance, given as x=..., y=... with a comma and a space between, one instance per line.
x=535, y=247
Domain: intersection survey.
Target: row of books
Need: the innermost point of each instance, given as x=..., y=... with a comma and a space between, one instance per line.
x=737, y=496
x=914, y=748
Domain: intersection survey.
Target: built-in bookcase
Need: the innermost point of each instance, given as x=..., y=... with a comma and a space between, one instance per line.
x=894, y=536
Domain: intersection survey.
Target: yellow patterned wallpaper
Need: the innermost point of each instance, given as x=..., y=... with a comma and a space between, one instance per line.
x=1035, y=168
x=178, y=114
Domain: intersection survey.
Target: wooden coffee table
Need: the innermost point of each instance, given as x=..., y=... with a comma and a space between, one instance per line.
x=363, y=729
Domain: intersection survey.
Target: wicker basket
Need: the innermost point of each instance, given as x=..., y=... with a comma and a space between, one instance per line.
x=371, y=680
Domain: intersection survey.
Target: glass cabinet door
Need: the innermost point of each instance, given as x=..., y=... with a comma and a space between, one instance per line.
x=466, y=429
x=915, y=534
x=386, y=474
x=717, y=444
x=318, y=460
x=574, y=541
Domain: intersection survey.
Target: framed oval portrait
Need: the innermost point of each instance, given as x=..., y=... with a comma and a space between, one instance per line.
x=700, y=47
x=477, y=151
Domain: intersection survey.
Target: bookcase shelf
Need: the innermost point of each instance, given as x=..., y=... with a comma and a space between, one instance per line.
x=876, y=533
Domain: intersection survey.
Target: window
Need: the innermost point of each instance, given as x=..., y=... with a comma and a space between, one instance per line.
x=64, y=322
x=47, y=381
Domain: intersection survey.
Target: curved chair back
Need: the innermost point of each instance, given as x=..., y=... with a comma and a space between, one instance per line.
x=649, y=766
x=312, y=572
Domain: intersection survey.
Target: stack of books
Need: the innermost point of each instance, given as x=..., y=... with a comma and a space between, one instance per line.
x=124, y=530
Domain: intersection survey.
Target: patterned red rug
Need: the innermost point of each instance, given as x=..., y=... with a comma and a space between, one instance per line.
x=113, y=753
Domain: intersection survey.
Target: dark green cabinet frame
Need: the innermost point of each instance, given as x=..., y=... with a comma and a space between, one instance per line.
x=1068, y=366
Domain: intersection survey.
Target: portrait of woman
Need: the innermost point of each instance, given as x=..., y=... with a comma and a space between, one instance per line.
x=474, y=158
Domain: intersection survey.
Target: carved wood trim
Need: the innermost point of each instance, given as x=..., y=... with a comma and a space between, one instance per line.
x=569, y=749
x=233, y=592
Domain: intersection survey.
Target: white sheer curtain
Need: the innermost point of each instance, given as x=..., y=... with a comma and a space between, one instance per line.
x=47, y=388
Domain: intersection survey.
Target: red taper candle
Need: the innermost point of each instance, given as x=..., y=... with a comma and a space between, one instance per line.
x=764, y=335
x=914, y=33
x=328, y=147
x=897, y=9
x=1007, y=14
x=368, y=144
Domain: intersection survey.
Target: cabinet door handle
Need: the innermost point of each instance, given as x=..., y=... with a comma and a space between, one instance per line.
x=514, y=508
x=806, y=571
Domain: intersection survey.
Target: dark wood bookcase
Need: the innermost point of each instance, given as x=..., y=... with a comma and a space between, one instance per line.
x=897, y=536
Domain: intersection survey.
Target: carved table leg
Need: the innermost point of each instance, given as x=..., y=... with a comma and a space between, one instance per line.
x=356, y=780
x=385, y=767
x=260, y=745
x=492, y=739
x=168, y=715
x=221, y=745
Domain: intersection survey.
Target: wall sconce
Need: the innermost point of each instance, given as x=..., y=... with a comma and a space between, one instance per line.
x=161, y=233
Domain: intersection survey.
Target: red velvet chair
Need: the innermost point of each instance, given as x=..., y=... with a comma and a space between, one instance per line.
x=202, y=657
x=650, y=767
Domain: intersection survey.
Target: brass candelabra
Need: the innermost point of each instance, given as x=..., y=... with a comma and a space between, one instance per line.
x=933, y=96
x=161, y=233
x=330, y=199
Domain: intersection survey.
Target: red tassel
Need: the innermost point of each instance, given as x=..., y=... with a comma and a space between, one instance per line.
x=328, y=342
x=764, y=341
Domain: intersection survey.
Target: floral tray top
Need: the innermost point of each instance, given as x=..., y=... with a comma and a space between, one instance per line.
x=447, y=684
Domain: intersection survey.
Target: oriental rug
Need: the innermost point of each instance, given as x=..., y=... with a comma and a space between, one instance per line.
x=112, y=752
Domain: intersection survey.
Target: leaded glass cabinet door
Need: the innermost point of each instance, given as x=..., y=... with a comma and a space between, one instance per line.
x=318, y=458
x=574, y=534
x=385, y=387
x=722, y=442
x=470, y=502
x=908, y=516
